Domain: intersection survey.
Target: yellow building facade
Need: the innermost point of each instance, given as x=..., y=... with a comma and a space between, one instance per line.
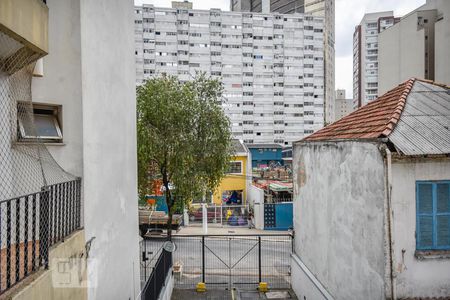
x=234, y=186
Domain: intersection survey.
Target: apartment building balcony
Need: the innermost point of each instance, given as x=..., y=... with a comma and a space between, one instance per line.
x=23, y=33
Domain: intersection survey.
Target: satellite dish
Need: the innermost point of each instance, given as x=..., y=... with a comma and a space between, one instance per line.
x=169, y=246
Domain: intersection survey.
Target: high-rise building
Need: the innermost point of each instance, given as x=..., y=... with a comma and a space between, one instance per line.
x=365, y=55
x=266, y=6
x=320, y=8
x=271, y=65
x=417, y=46
x=326, y=9
x=343, y=105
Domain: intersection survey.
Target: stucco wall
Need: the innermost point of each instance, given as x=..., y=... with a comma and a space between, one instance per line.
x=109, y=147
x=415, y=278
x=61, y=83
x=442, y=43
x=396, y=63
x=48, y=286
x=339, y=193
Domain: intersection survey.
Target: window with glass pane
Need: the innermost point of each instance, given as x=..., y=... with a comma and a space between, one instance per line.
x=235, y=167
x=433, y=215
x=42, y=124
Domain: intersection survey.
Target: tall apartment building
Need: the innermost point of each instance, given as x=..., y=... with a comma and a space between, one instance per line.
x=266, y=6
x=365, y=55
x=271, y=66
x=417, y=46
x=326, y=9
x=321, y=8
x=343, y=105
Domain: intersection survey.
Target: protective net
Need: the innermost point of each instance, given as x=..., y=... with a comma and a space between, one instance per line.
x=39, y=201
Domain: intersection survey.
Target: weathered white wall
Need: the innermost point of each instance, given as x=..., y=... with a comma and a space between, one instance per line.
x=338, y=217
x=401, y=53
x=415, y=278
x=49, y=285
x=256, y=199
x=61, y=83
x=305, y=285
x=109, y=146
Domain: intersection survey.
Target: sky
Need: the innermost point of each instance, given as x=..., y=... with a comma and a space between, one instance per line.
x=348, y=14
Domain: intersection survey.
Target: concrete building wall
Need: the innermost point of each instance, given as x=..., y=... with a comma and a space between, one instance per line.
x=61, y=83
x=442, y=43
x=365, y=56
x=428, y=277
x=326, y=9
x=91, y=74
x=339, y=195
x=401, y=53
x=50, y=284
x=417, y=46
x=109, y=147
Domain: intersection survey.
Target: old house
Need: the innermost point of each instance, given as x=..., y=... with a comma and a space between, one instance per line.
x=372, y=200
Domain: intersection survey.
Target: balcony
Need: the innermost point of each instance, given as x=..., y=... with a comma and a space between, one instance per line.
x=23, y=33
x=30, y=225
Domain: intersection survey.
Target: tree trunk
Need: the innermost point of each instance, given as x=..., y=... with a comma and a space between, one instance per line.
x=169, y=202
x=169, y=224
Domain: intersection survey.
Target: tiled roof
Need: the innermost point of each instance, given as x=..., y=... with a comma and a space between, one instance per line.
x=238, y=147
x=374, y=120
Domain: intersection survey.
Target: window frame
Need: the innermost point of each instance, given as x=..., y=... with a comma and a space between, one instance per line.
x=434, y=214
x=56, y=112
x=241, y=166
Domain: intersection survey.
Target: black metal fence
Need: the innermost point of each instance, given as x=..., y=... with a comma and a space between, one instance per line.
x=157, y=277
x=31, y=224
x=227, y=261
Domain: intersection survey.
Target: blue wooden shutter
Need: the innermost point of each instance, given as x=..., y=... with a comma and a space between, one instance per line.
x=424, y=216
x=443, y=215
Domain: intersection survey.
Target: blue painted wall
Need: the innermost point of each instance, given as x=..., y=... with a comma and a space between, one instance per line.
x=278, y=216
x=265, y=156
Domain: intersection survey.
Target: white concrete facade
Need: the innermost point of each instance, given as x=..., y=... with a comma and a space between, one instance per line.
x=271, y=65
x=343, y=105
x=365, y=56
x=416, y=277
x=339, y=235
x=347, y=223
x=326, y=9
x=417, y=46
x=90, y=71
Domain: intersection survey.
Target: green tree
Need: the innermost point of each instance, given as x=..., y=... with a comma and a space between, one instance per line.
x=184, y=138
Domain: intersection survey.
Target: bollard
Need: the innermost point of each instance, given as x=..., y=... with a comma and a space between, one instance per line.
x=263, y=287
x=201, y=287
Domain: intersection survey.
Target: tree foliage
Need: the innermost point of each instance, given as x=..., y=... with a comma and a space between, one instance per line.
x=183, y=137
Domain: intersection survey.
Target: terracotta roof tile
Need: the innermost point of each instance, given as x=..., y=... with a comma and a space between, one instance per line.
x=374, y=120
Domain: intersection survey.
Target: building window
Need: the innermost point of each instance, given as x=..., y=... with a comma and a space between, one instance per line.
x=433, y=215
x=45, y=127
x=235, y=167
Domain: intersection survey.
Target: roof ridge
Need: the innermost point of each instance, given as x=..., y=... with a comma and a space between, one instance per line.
x=399, y=109
x=443, y=85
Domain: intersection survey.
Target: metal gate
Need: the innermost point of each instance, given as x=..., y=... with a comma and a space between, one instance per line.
x=227, y=261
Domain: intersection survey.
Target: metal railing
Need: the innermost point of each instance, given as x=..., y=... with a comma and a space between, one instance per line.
x=31, y=224
x=157, y=278
x=223, y=215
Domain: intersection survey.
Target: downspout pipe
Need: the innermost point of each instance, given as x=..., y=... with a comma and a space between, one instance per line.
x=388, y=178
